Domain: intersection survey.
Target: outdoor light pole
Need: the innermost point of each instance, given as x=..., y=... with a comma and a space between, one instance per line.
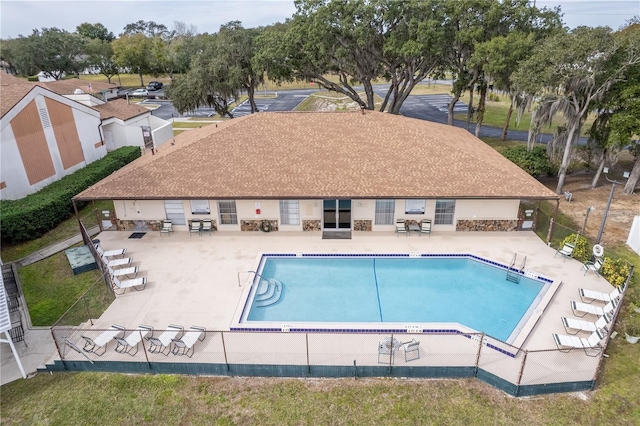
x=606, y=211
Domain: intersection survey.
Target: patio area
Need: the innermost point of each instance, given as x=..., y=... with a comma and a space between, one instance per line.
x=194, y=280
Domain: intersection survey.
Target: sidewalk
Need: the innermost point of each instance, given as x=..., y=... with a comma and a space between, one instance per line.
x=38, y=342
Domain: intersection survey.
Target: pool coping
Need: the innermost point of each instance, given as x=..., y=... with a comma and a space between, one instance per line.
x=519, y=335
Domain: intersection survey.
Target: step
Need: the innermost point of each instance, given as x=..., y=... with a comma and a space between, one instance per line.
x=275, y=294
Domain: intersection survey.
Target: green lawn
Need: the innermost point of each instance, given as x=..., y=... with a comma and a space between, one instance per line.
x=50, y=288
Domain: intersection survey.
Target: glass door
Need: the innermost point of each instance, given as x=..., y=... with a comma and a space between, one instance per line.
x=336, y=214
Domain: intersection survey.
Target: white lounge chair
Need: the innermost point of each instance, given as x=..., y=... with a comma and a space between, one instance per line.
x=109, y=253
x=586, y=308
x=589, y=296
x=565, y=251
x=130, y=272
x=194, y=227
x=118, y=262
x=124, y=285
x=572, y=342
x=580, y=325
x=401, y=227
x=185, y=344
x=166, y=228
x=101, y=342
x=126, y=344
x=157, y=345
x=592, y=266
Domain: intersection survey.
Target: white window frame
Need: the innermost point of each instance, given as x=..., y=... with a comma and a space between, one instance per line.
x=228, y=212
x=200, y=207
x=445, y=212
x=289, y=212
x=385, y=210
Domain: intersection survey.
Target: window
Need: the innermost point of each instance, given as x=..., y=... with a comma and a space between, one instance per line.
x=290, y=212
x=384, y=212
x=414, y=206
x=444, y=212
x=200, y=207
x=228, y=213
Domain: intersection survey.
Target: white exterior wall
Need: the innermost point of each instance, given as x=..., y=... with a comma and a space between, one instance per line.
x=85, y=99
x=133, y=132
x=161, y=130
x=13, y=173
x=312, y=210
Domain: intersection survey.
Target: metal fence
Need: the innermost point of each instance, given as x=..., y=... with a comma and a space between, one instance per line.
x=288, y=354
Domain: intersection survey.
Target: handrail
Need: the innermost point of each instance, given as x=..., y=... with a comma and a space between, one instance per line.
x=247, y=272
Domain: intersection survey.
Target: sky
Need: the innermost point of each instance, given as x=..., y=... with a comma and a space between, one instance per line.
x=21, y=17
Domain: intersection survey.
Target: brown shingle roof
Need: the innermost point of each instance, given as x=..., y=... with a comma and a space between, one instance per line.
x=68, y=86
x=12, y=90
x=120, y=108
x=321, y=155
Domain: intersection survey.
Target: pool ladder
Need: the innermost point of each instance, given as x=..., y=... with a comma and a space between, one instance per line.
x=514, y=274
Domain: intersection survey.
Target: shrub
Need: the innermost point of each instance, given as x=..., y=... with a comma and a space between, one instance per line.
x=582, y=251
x=33, y=78
x=535, y=162
x=32, y=216
x=615, y=271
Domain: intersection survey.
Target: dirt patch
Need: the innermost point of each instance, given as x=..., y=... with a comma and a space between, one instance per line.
x=621, y=213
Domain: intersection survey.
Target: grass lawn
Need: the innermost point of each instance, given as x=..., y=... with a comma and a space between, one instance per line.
x=66, y=229
x=50, y=288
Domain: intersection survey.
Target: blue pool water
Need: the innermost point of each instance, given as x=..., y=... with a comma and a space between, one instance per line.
x=395, y=290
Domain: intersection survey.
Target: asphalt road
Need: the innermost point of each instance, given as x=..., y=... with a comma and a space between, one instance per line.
x=423, y=107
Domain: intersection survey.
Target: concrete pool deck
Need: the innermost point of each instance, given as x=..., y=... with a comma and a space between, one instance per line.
x=193, y=280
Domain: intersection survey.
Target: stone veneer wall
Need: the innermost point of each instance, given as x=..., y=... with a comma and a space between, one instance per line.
x=311, y=225
x=255, y=224
x=138, y=225
x=362, y=225
x=487, y=225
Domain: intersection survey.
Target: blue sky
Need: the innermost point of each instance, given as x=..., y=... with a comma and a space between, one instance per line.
x=20, y=17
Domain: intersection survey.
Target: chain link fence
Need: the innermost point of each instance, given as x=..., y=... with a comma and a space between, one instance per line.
x=284, y=354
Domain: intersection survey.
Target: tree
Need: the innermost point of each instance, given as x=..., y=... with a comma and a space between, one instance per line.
x=56, y=52
x=133, y=52
x=147, y=28
x=100, y=56
x=573, y=70
x=95, y=31
x=17, y=54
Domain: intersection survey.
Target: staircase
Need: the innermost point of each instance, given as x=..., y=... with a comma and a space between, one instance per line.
x=268, y=292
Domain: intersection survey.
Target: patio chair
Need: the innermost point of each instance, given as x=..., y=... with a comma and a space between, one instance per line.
x=401, y=227
x=130, y=272
x=572, y=342
x=412, y=347
x=566, y=251
x=207, y=226
x=586, y=308
x=580, y=325
x=194, y=227
x=109, y=253
x=425, y=227
x=124, y=285
x=126, y=344
x=101, y=342
x=592, y=266
x=166, y=228
x=118, y=262
x=185, y=344
x=157, y=345
x=589, y=296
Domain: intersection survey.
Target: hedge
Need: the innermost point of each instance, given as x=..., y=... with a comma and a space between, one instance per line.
x=535, y=162
x=30, y=217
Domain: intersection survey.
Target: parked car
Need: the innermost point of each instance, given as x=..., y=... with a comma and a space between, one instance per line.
x=154, y=85
x=140, y=93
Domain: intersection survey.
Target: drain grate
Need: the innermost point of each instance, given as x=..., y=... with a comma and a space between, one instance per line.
x=137, y=235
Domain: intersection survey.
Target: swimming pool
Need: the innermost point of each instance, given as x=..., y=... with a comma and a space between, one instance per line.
x=394, y=290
